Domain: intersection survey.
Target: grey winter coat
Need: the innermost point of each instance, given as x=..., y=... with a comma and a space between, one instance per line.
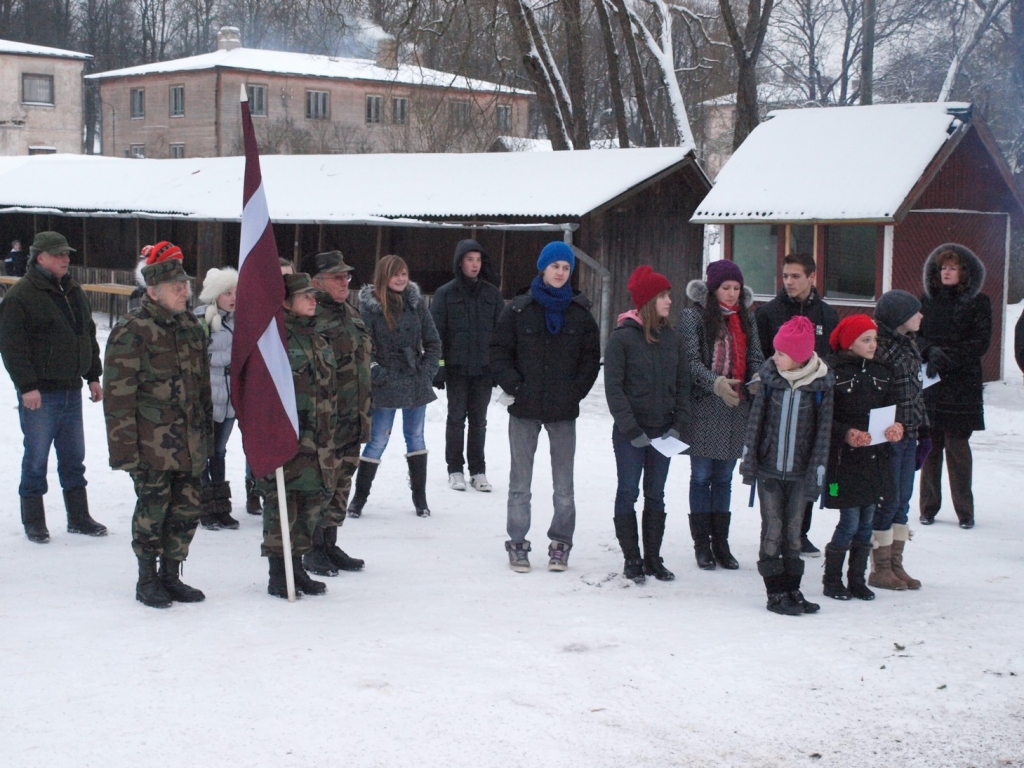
x=789, y=431
x=220, y=362
x=715, y=430
x=405, y=358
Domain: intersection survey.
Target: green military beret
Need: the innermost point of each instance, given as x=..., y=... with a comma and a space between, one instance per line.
x=169, y=271
x=300, y=282
x=51, y=242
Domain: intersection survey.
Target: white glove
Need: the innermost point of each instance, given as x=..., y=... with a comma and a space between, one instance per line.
x=505, y=398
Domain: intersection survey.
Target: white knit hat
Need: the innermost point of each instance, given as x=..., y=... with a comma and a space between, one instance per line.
x=216, y=282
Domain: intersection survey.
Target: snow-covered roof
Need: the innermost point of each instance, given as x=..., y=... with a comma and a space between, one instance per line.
x=26, y=49
x=309, y=65
x=833, y=164
x=335, y=188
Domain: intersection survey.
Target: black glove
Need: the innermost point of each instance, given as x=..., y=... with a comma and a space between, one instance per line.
x=378, y=375
x=640, y=442
x=938, y=361
x=439, y=377
x=924, y=447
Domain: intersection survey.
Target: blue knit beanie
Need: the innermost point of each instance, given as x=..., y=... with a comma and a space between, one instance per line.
x=556, y=251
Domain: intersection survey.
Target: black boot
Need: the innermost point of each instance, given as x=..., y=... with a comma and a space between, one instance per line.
x=720, y=540
x=222, y=503
x=700, y=530
x=303, y=583
x=317, y=561
x=365, y=473
x=776, y=586
x=209, y=514
x=860, y=553
x=176, y=589
x=150, y=590
x=833, y=579
x=278, y=585
x=253, y=502
x=341, y=560
x=33, y=517
x=629, y=541
x=794, y=568
x=653, y=533
x=76, y=502
x=418, y=481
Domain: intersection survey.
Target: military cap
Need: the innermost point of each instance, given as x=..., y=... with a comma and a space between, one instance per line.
x=170, y=271
x=300, y=282
x=51, y=242
x=331, y=262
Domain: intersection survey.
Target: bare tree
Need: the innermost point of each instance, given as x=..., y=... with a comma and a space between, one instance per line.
x=746, y=46
x=974, y=21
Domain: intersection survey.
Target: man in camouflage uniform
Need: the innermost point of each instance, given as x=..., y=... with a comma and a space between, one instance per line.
x=311, y=476
x=340, y=323
x=159, y=416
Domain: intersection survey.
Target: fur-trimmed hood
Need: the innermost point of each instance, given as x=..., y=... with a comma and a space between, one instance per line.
x=697, y=291
x=931, y=279
x=368, y=301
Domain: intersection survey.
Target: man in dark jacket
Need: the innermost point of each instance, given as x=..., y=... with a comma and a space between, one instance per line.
x=465, y=311
x=48, y=342
x=545, y=355
x=798, y=297
x=16, y=263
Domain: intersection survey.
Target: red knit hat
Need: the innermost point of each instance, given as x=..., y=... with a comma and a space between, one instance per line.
x=796, y=339
x=162, y=251
x=645, y=284
x=849, y=330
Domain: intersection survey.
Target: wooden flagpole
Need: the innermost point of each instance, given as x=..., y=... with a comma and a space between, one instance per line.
x=286, y=536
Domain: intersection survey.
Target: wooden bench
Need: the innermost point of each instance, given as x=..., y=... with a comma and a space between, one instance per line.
x=111, y=290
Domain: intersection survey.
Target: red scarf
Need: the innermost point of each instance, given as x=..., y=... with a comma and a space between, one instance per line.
x=730, y=354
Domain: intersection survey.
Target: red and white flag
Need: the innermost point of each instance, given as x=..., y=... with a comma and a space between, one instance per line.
x=262, y=389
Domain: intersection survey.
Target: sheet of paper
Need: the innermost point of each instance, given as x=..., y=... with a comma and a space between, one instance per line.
x=879, y=421
x=669, y=446
x=925, y=380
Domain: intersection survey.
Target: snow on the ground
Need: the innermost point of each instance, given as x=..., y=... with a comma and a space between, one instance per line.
x=438, y=655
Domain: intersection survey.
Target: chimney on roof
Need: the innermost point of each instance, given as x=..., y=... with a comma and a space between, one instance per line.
x=387, y=53
x=229, y=38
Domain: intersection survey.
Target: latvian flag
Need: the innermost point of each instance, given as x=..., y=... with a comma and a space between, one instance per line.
x=262, y=390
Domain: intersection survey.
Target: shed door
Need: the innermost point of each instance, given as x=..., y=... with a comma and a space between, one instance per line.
x=984, y=233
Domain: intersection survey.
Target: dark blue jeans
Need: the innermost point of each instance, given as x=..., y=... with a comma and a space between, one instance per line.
x=710, y=485
x=631, y=463
x=904, y=461
x=57, y=422
x=215, y=464
x=855, y=524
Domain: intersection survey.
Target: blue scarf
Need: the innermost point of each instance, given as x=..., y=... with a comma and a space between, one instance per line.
x=554, y=300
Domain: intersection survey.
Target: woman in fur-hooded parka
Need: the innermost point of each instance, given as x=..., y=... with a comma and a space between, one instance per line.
x=956, y=331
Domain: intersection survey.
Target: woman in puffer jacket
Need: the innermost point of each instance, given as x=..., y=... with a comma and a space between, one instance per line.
x=216, y=312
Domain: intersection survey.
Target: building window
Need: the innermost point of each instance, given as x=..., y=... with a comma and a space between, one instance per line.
x=850, y=256
x=38, y=150
x=317, y=105
x=37, y=89
x=458, y=113
x=177, y=101
x=374, y=106
x=257, y=100
x=755, y=251
x=503, y=113
x=177, y=151
x=801, y=239
x=137, y=150
x=400, y=111
x=138, y=96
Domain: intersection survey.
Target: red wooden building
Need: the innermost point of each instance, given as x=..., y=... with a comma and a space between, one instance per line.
x=870, y=192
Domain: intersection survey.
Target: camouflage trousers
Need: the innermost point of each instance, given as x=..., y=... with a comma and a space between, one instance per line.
x=166, y=513
x=334, y=512
x=304, y=509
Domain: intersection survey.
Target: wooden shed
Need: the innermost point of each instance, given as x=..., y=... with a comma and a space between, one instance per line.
x=621, y=208
x=870, y=192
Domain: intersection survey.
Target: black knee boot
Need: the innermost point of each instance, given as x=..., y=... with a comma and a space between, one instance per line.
x=720, y=540
x=700, y=531
x=76, y=502
x=365, y=473
x=860, y=553
x=794, y=568
x=418, y=481
x=33, y=517
x=629, y=541
x=832, y=582
x=653, y=533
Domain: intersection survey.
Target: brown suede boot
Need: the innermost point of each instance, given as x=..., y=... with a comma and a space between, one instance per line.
x=900, y=537
x=881, y=563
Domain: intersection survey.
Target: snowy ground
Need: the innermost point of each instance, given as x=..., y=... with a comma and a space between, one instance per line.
x=438, y=655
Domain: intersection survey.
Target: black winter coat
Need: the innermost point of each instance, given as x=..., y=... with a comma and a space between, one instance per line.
x=960, y=323
x=549, y=375
x=406, y=356
x=857, y=477
x=773, y=315
x=647, y=385
x=465, y=313
x=47, y=335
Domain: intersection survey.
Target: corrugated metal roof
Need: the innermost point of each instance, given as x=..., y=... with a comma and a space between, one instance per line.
x=832, y=164
x=335, y=188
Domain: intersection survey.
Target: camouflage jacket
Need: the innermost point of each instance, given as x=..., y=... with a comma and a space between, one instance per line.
x=315, y=466
x=343, y=327
x=156, y=392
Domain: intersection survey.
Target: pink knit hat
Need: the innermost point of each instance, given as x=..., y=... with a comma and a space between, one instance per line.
x=796, y=339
